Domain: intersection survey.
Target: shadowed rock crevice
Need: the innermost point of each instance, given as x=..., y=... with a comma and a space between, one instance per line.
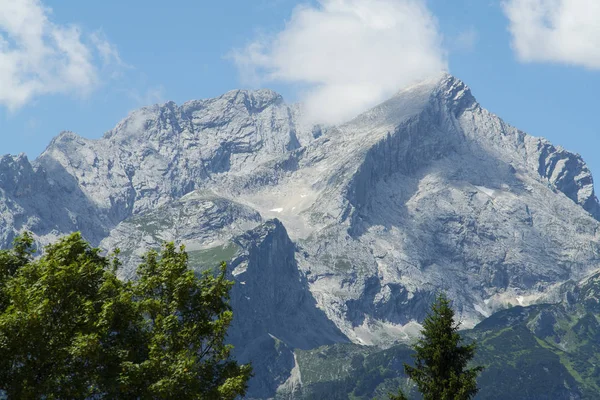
x=34, y=198
x=272, y=295
x=275, y=311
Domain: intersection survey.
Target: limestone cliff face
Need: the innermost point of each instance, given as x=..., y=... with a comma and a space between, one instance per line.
x=452, y=122
x=568, y=173
x=48, y=203
x=162, y=152
x=433, y=191
x=275, y=311
x=156, y=155
x=273, y=295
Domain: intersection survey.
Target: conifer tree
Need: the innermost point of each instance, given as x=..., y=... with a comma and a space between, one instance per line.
x=441, y=360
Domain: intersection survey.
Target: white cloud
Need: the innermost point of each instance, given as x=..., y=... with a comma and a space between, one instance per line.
x=108, y=51
x=562, y=31
x=351, y=54
x=112, y=64
x=40, y=57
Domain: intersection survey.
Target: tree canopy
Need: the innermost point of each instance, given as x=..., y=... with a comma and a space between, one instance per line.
x=69, y=328
x=441, y=362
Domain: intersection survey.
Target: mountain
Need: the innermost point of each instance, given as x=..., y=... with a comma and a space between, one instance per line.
x=539, y=352
x=334, y=234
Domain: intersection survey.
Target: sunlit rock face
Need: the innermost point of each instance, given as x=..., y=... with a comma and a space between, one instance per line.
x=426, y=192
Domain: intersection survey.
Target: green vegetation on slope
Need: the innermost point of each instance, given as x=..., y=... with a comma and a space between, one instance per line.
x=349, y=371
x=541, y=352
x=204, y=259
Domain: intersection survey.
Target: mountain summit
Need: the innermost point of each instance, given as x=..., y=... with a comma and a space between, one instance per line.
x=427, y=191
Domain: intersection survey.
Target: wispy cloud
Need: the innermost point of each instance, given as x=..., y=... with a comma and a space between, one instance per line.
x=149, y=96
x=562, y=31
x=38, y=56
x=111, y=59
x=465, y=41
x=351, y=54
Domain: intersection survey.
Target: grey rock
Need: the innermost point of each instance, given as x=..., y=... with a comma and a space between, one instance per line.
x=275, y=311
x=200, y=220
x=273, y=295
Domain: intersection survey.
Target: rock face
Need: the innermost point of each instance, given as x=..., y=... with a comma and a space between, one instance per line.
x=160, y=153
x=426, y=191
x=31, y=199
x=283, y=305
x=203, y=221
x=274, y=309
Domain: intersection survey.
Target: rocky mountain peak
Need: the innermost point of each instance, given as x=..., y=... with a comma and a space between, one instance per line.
x=12, y=162
x=255, y=101
x=455, y=93
x=16, y=175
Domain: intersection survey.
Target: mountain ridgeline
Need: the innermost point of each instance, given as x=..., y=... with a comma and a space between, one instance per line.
x=336, y=236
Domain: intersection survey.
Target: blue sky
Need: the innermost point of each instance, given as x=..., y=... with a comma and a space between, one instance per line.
x=535, y=63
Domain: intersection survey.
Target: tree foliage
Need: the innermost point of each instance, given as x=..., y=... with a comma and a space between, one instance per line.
x=69, y=328
x=441, y=362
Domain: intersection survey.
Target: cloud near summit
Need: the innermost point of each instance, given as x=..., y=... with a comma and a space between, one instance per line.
x=349, y=55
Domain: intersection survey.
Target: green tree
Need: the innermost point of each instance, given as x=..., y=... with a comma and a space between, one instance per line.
x=189, y=318
x=69, y=328
x=65, y=321
x=441, y=361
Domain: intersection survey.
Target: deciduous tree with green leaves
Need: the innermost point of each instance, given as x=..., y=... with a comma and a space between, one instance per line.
x=441, y=360
x=188, y=357
x=69, y=328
